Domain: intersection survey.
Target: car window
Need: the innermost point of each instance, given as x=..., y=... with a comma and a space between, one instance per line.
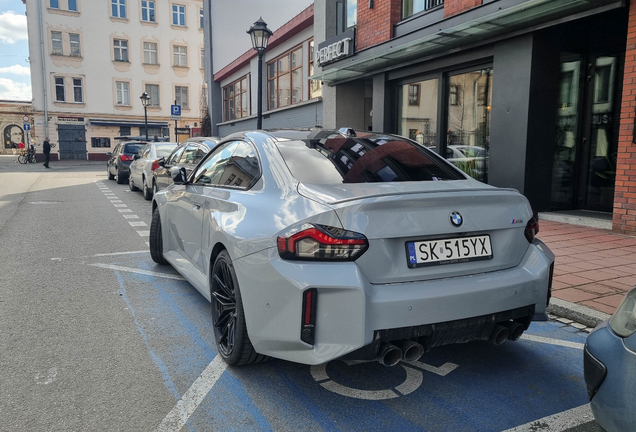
x=164, y=150
x=144, y=152
x=132, y=148
x=338, y=159
x=116, y=151
x=211, y=171
x=242, y=168
x=175, y=155
x=189, y=156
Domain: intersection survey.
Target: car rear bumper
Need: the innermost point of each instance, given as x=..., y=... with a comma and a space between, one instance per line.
x=613, y=402
x=351, y=311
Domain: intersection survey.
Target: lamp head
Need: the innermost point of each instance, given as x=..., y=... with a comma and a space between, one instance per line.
x=260, y=35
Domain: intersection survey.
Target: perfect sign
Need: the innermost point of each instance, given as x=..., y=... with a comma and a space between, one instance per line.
x=335, y=48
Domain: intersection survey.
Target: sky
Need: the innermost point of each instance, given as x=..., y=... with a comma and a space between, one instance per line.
x=15, y=76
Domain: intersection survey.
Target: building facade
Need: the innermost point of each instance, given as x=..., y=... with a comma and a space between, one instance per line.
x=289, y=98
x=92, y=60
x=14, y=115
x=528, y=94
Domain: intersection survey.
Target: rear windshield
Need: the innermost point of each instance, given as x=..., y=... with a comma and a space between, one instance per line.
x=133, y=148
x=339, y=159
x=165, y=150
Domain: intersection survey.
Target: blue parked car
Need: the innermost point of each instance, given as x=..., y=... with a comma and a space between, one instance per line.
x=610, y=368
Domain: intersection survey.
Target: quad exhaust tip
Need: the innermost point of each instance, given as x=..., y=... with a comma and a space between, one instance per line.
x=411, y=350
x=389, y=355
x=499, y=334
x=515, y=330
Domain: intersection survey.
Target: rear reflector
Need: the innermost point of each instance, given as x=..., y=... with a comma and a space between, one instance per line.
x=308, y=328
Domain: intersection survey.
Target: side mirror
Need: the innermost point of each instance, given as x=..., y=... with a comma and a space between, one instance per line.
x=179, y=175
x=109, y=154
x=136, y=156
x=161, y=161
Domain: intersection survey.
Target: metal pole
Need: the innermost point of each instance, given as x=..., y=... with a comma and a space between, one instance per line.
x=146, y=120
x=176, y=137
x=259, y=102
x=43, y=66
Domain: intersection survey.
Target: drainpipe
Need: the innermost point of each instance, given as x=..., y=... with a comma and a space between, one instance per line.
x=42, y=59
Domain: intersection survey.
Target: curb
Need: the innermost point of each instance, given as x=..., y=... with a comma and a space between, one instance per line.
x=575, y=312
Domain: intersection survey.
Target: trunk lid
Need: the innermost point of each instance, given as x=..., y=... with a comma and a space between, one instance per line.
x=391, y=215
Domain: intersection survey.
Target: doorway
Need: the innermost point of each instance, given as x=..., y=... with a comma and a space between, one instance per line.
x=72, y=140
x=587, y=127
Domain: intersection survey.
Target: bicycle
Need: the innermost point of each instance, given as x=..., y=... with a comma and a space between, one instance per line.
x=27, y=157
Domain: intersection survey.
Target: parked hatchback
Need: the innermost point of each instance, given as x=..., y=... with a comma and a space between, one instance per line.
x=312, y=246
x=187, y=155
x=118, y=165
x=145, y=162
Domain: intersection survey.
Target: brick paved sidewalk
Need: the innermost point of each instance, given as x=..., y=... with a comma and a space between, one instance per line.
x=594, y=267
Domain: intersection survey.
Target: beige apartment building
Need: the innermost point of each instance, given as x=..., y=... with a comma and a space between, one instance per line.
x=91, y=60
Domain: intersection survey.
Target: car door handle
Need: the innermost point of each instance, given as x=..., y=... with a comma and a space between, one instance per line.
x=196, y=207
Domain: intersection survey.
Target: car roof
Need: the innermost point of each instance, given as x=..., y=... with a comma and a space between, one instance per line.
x=202, y=139
x=318, y=133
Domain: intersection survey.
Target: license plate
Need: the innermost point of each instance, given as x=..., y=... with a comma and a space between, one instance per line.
x=448, y=251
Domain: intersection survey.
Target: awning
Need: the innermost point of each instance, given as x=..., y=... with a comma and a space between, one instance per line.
x=435, y=39
x=119, y=122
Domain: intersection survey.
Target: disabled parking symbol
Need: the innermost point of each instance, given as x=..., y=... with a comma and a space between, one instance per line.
x=413, y=381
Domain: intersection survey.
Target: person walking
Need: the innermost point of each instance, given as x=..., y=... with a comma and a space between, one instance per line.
x=46, y=148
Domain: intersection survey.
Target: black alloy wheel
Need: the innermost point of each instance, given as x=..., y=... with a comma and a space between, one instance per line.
x=131, y=184
x=228, y=317
x=156, y=239
x=120, y=179
x=110, y=176
x=147, y=191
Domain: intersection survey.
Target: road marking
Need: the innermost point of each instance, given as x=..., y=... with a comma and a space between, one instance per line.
x=119, y=253
x=120, y=205
x=443, y=370
x=147, y=243
x=144, y=233
x=192, y=398
x=125, y=210
x=115, y=201
x=559, y=421
x=140, y=223
x=46, y=379
x=138, y=271
x=541, y=339
x=131, y=216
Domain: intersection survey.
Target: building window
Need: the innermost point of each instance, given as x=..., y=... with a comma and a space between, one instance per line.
x=124, y=131
x=148, y=11
x=153, y=92
x=54, y=4
x=72, y=5
x=315, y=86
x=236, y=99
x=414, y=94
x=118, y=8
x=75, y=44
x=100, y=142
x=453, y=95
x=411, y=7
x=181, y=95
x=468, y=122
x=201, y=18
x=150, y=53
x=284, y=79
x=202, y=59
x=153, y=131
x=59, y=90
x=56, y=43
x=178, y=15
x=78, y=95
x=121, y=50
x=180, y=55
x=123, y=93
x=346, y=15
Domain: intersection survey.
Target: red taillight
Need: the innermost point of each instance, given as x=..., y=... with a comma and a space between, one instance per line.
x=532, y=228
x=308, y=330
x=321, y=243
x=125, y=158
x=154, y=165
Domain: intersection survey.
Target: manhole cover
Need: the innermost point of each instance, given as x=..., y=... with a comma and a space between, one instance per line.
x=44, y=202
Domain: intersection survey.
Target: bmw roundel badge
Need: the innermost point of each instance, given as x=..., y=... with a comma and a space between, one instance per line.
x=456, y=219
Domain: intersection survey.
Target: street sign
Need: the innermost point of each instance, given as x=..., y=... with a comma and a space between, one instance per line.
x=175, y=112
x=25, y=118
x=26, y=126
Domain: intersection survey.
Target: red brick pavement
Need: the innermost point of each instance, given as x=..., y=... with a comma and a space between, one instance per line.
x=594, y=267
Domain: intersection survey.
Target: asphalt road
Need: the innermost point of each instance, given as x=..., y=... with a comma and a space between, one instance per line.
x=95, y=336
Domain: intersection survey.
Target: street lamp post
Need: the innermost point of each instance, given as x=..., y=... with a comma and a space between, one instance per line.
x=260, y=36
x=145, y=100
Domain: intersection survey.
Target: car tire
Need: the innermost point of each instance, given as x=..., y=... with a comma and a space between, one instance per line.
x=131, y=185
x=110, y=176
x=228, y=317
x=120, y=179
x=155, y=188
x=147, y=191
x=156, y=239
